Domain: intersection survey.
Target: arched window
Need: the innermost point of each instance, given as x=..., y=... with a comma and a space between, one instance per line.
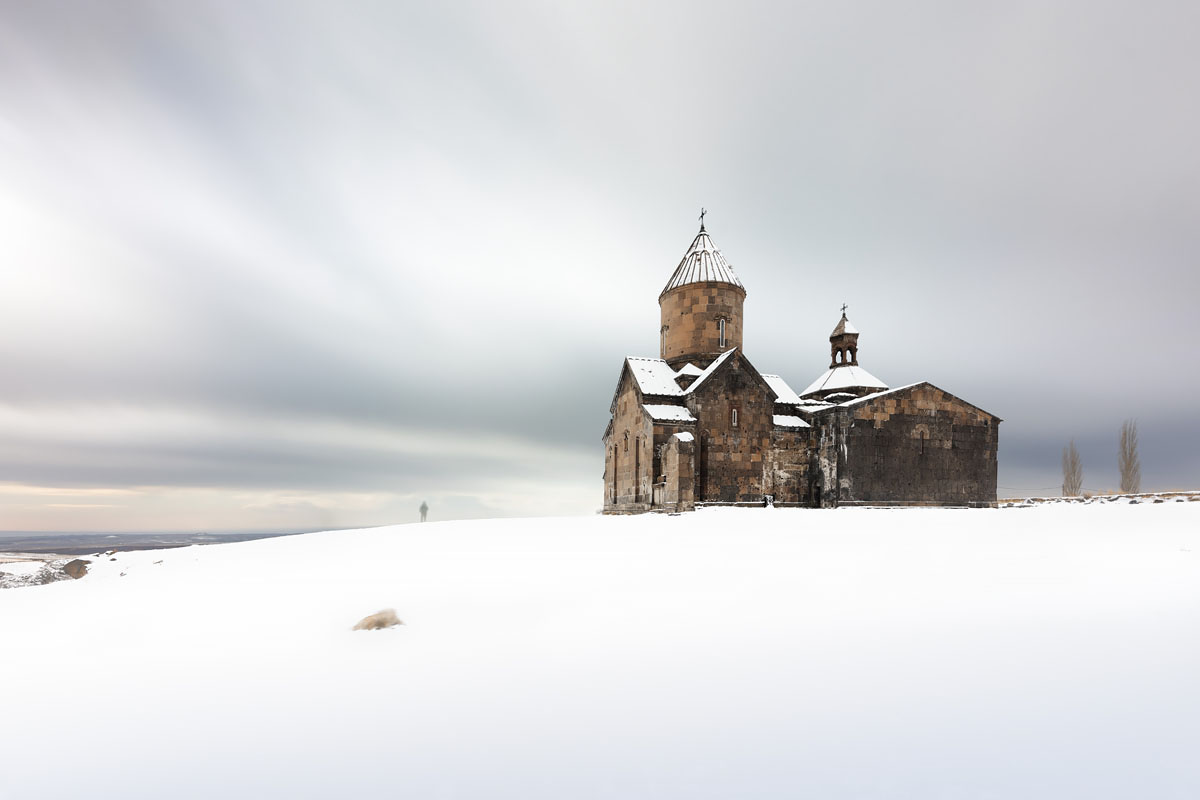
x=838, y=357
x=733, y=418
x=626, y=441
x=721, y=326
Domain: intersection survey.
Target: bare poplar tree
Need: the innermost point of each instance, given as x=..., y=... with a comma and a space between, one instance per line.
x=1072, y=472
x=1127, y=458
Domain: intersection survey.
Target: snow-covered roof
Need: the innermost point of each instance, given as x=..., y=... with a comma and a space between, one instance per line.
x=653, y=376
x=784, y=393
x=702, y=262
x=665, y=413
x=844, y=376
x=684, y=436
x=717, y=362
x=689, y=369
x=843, y=326
x=789, y=421
x=872, y=396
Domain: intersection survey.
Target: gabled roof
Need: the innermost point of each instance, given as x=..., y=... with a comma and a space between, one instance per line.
x=653, y=376
x=783, y=392
x=844, y=376
x=713, y=367
x=876, y=395
x=702, y=262
x=719, y=362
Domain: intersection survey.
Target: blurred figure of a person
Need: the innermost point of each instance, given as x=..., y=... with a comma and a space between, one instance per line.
x=424, y=510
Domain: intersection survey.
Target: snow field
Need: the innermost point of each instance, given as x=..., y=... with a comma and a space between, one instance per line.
x=1016, y=653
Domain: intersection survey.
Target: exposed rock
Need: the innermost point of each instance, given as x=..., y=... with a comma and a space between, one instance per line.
x=77, y=568
x=380, y=619
x=47, y=572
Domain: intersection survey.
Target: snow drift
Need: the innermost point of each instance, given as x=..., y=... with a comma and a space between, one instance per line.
x=1009, y=653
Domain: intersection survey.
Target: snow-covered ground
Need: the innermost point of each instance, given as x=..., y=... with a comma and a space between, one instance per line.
x=1045, y=652
x=22, y=567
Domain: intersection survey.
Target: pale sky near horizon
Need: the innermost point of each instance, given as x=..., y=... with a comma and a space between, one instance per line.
x=298, y=265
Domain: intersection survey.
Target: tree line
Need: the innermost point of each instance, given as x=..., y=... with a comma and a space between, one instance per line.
x=1129, y=466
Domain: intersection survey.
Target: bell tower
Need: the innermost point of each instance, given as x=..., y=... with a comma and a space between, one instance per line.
x=843, y=343
x=845, y=378
x=701, y=306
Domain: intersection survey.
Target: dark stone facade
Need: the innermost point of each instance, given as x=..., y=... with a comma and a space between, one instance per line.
x=733, y=411
x=791, y=465
x=913, y=446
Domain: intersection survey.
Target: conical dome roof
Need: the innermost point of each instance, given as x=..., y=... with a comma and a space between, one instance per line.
x=843, y=326
x=702, y=262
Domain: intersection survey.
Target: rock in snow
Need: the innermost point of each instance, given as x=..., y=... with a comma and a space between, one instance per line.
x=379, y=620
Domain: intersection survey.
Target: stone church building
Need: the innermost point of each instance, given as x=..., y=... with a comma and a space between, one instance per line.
x=700, y=425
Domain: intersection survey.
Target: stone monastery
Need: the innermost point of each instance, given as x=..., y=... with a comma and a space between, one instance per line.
x=700, y=425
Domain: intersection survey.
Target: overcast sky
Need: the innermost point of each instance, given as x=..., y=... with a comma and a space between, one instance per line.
x=304, y=265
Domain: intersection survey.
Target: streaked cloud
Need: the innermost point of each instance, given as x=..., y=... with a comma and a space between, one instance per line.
x=297, y=262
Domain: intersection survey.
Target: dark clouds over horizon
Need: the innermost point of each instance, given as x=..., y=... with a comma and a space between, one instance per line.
x=261, y=259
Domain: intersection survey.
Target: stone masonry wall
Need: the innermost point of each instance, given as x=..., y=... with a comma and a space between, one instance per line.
x=731, y=461
x=629, y=454
x=788, y=466
x=920, y=446
x=690, y=316
x=825, y=485
x=678, y=494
